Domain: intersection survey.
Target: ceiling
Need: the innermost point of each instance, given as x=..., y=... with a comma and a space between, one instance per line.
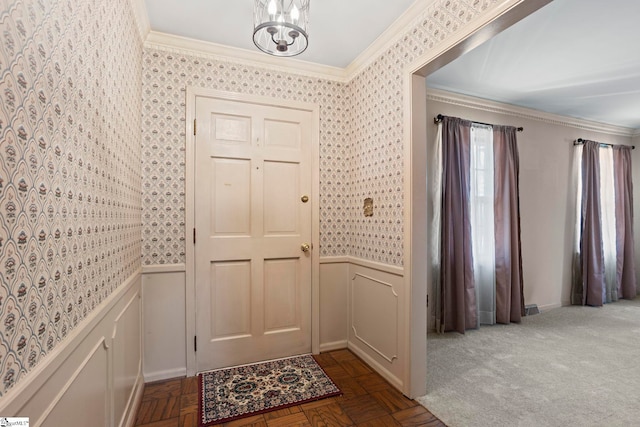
x=339, y=30
x=578, y=58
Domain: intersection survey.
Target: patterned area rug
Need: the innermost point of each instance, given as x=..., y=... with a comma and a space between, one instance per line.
x=229, y=394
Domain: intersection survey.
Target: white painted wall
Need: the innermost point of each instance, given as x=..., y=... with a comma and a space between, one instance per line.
x=164, y=323
x=546, y=190
x=93, y=378
x=334, y=278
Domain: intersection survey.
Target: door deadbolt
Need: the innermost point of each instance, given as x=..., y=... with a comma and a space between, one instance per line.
x=304, y=199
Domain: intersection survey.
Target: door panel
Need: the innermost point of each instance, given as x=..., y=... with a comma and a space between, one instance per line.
x=253, y=281
x=282, y=134
x=281, y=296
x=233, y=130
x=230, y=299
x=231, y=198
x=281, y=190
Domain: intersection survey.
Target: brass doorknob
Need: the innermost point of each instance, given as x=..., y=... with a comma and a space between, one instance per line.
x=305, y=247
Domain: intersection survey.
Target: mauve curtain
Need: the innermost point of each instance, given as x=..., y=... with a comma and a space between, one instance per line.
x=588, y=287
x=509, y=284
x=457, y=310
x=625, y=253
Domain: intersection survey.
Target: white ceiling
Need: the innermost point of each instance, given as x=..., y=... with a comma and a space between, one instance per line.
x=578, y=58
x=339, y=30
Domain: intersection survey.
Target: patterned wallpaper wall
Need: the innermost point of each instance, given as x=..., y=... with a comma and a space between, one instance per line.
x=165, y=78
x=360, y=142
x=69, y=169
x=376, y=96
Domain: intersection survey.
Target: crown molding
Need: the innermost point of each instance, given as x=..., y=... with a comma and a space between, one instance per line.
x=188, y=46
x=525, y=113
x=388, y=37
x=142, y=18
x=185, y=45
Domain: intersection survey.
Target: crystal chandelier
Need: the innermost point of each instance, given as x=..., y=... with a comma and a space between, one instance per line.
x=280, y=26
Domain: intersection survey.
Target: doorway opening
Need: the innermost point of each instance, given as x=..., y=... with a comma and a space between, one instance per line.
x=417, y=273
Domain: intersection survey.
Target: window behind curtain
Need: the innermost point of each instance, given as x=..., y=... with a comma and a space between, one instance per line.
x=608, y=209
x=482, y=220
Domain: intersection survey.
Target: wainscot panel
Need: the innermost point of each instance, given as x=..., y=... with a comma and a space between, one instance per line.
x=334, y=284
x=164, y=322
x=127, y=357
x=376, y=317
x=94, y=377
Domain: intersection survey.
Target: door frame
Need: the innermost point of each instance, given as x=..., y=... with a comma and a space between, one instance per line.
x=416, y=226
x=190, y=186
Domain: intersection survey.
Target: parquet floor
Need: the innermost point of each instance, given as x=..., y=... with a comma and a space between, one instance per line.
x=367, y=400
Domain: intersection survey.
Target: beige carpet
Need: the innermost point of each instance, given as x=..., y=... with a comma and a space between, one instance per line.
x=571, y=366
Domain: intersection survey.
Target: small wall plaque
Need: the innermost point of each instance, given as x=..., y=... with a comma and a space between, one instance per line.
x=368, y=206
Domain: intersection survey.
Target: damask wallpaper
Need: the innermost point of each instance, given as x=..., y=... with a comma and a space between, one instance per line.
x=70, y=221
x=361, y=141
x=83, y=193
x=166, y=76
x=376, y=95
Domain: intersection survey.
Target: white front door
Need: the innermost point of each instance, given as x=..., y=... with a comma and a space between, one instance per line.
x=253, y=222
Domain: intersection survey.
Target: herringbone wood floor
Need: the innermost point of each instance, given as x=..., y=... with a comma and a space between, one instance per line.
x=367, y=400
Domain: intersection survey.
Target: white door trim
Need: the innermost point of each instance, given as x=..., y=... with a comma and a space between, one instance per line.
x=190, y=291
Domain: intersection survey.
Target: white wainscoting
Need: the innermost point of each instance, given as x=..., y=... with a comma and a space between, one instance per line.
x=94, y=377
x=361, y=307
x=164, y=325
x=377, y=316
x=164, y=322
x=334, y=284
x=127, y=358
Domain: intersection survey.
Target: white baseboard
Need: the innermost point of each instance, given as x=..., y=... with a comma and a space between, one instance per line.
x=395, y=381
x=165, y=375
x=548, y=307
x=336, y=345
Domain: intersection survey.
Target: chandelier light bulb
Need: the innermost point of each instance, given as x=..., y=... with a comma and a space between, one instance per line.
x=273, y=9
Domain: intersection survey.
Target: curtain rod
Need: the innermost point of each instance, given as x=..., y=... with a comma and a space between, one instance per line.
x=581, y=141
x=439, y=118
